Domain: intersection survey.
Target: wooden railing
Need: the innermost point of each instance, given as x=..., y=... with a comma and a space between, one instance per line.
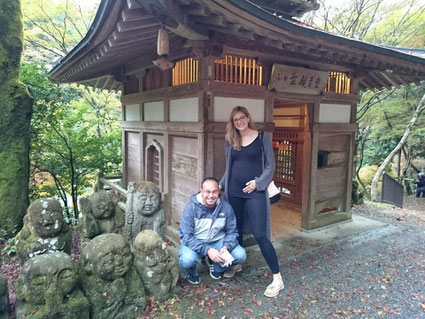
x=338, y=82
x=185, y=71
x=106, y=182
x=238, y=70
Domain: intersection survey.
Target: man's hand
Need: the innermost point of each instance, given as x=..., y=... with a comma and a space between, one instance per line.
x=215, y=256
x=223, y=249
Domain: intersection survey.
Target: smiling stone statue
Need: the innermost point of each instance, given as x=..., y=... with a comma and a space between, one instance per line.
x=44, y=230
x=109, y=280
x=100, y=215
x=47, y=288
x=144, y=210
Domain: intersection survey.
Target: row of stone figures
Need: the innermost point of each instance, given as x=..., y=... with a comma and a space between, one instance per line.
x=124, y=258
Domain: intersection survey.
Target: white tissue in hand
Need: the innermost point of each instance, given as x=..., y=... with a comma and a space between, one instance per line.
x=228, y=258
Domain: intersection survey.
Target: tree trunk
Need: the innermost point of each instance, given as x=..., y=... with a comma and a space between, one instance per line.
x=15, y=117
x=380, y=171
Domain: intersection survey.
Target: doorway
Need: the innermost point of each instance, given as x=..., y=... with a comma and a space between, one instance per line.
x=291, y=126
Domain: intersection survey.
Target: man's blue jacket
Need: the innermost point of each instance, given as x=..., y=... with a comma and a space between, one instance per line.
x=199, y=226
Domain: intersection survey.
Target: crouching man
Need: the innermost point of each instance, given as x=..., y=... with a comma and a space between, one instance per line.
x=208, y=229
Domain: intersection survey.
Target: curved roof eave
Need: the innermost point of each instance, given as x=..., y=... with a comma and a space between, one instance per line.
x=104, y=7
x=310, y=32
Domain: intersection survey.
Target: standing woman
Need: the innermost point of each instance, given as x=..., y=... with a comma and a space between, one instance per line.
x=249, y=170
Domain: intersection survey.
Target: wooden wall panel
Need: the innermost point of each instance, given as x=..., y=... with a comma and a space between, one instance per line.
x=133, y=157
x=183, y=174
x=331, y=181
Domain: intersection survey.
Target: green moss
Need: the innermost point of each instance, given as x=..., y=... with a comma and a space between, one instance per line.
x=16, y=111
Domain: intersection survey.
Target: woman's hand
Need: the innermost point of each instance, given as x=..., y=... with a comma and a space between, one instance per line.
x=250, y=187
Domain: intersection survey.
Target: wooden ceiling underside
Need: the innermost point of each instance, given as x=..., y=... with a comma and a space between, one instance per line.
x=132, y=40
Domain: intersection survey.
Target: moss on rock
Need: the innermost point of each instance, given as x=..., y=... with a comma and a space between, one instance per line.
x=16, y=111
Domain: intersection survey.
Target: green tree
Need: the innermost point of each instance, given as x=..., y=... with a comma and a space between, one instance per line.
x=53, y=28
x=71, y=139
x=15, y=110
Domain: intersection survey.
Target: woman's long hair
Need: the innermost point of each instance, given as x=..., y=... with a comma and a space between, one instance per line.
x=232, y=134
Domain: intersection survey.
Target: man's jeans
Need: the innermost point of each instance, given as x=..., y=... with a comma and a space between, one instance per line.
x=188, y=259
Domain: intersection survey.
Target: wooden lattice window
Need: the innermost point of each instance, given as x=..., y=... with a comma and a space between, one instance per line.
x=185, y=71
x=338, y=82
x=285, y=148
x=154, y=166
x=238, y=70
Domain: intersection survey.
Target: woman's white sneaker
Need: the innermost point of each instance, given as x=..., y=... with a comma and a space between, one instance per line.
x=273, y=289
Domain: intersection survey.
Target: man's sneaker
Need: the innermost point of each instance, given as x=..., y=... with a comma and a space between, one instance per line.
x=194, y=279
x=213, y=274
x=231, y=272
x=272, y=290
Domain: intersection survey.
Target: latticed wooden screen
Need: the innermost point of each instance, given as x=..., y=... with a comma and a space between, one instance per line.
x=185, y=71
x=285, y=148
x=338, y=82
x=238, y=70
x=154, y=166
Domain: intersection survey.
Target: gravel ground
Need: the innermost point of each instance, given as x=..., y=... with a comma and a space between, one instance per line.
x=378, y=276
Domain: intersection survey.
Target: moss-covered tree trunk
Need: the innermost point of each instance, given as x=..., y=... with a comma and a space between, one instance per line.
x=15, y=117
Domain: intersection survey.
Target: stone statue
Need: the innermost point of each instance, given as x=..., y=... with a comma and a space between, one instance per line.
x=44, y=230
x=109, y=279
x=4, y=298
x=144, y=210
x=100, y=215
x=47, y=289
x=158, y=270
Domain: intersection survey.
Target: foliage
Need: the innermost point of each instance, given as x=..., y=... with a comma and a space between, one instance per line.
x=7, y=242
x=385, y=22
x=71, y=138
x=53, y=28
x=387, y=121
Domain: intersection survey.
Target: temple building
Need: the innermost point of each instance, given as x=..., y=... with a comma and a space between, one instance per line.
x=182, y=65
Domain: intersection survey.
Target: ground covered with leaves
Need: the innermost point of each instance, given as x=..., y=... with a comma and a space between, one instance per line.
x=374, y=275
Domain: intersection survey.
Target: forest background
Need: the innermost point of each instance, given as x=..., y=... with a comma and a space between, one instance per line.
x=75, y=131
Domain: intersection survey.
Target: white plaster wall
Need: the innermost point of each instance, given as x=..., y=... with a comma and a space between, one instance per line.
x=224, y=105
x=132, y=112
x=153, y=111
x=335, y=113
x=184, y=110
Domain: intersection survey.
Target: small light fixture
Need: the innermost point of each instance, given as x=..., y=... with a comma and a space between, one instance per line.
x=163, y=50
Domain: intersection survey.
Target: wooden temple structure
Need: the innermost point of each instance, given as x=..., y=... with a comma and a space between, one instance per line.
x=300, y=84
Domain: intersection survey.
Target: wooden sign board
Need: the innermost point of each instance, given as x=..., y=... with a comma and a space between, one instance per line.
x=292, y=79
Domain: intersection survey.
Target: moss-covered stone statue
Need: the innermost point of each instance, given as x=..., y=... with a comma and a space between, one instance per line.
x=144, y=210
x=44, y=230
x=100, y=215
x=4, y=298
x=158, y=270
x=109, y=279
x=47, y=289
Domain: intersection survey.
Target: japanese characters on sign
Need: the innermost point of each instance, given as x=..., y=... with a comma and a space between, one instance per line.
x=297, y=80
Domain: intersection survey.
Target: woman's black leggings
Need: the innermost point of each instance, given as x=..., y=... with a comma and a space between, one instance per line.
x=255, y=208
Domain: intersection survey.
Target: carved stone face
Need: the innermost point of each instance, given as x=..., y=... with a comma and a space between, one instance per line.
x=150, y=247
x=48, y=274
x=102, y=205
x=46, y=217
x=147, y=199
x=109, y=255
